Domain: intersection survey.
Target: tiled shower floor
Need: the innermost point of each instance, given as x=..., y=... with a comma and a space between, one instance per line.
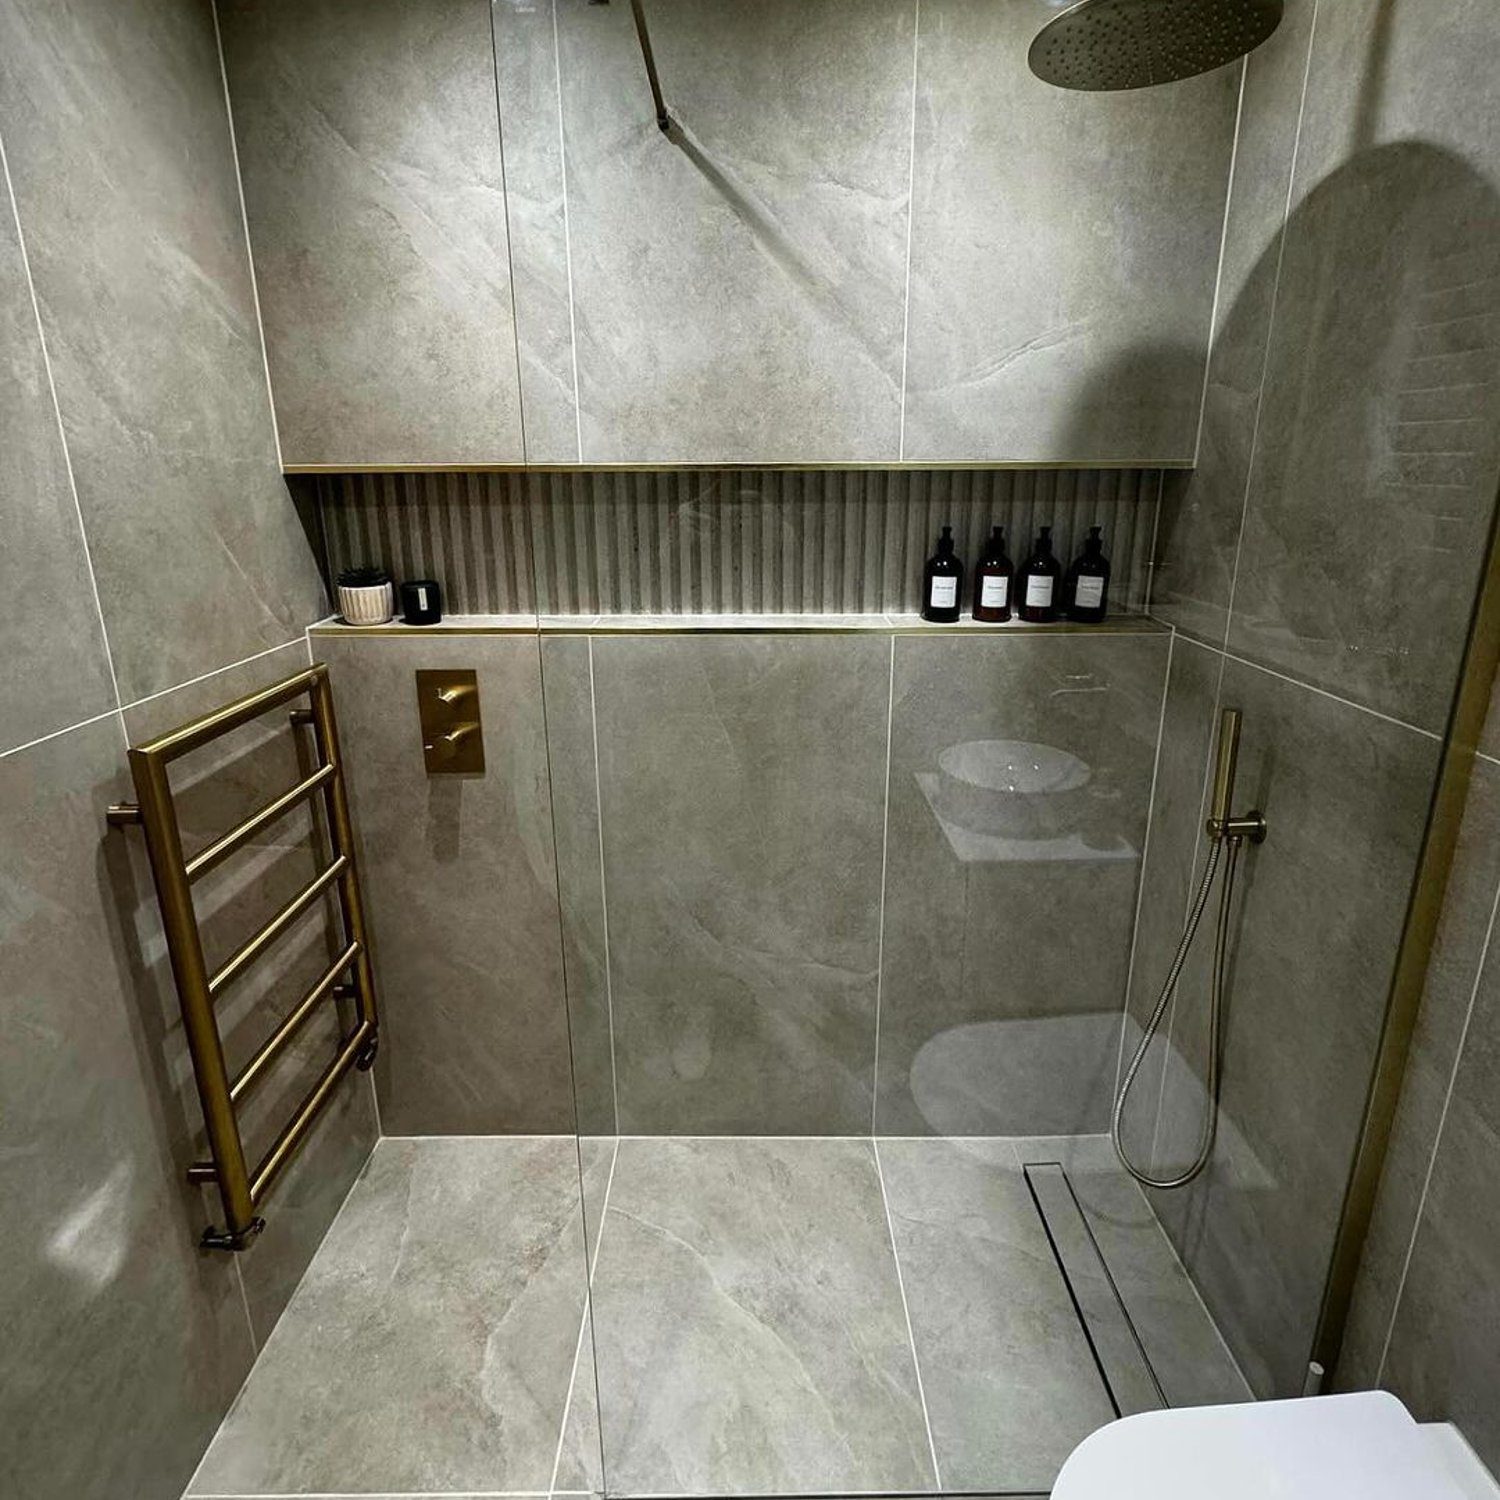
x=770, y=1316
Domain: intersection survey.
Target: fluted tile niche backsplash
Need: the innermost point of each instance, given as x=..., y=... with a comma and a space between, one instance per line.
x=720, y=541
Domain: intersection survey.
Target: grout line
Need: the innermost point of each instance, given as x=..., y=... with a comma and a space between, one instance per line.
x=562, y=158
x=885, y=839
x=42, y=739
x=1140, y=890
x=239, y=1276
x=609, y=987
x=1265, y=358
x=239, y=183
x=62, y=432
x=187, y=1490
x=1161, y=483
x=510, y=257
x=244, y=661
x=1375, y=713
x=583, y=1320
x=1437, y=1139
x=1187, y=906
x=911, y=179
x=1213, y=316
x=916, y=1363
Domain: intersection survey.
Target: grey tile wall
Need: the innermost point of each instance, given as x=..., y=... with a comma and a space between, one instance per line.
x=1331, y=536
x=137, y=249
x=843, y=251
x=370, y=150
x=125, y=1343
x=53, y=677
x=705, y=541
x=742, y=793
x=461, y=884
x=1025, y=341
x=1007, y=929
x=738, y=286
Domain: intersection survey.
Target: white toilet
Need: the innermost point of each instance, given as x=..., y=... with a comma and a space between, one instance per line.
x=1365, y=1446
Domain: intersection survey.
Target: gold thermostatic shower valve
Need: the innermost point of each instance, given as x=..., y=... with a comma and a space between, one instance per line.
x=452, y=735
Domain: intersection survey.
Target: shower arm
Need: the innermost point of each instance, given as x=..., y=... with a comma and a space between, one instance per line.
x=1222, y=824
x=663, y=119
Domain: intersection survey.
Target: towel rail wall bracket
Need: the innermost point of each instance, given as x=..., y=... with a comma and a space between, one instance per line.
x=243, y=1189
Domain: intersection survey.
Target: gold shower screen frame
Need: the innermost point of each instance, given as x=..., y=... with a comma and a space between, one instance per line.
x=241, y=1188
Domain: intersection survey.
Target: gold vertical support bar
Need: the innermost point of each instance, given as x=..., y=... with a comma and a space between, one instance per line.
x=341, y=831
x=175, y=896
x=1466, y=721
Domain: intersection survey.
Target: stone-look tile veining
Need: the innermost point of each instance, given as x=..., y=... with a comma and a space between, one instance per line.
x=370, y=148
x=461, y=886
x=1010, y=1383
x=535, y=205
x=742, y=783
x=749, y=1324
x=1006, y=944
x=54, y=670
x=1199, y=527
x=137, y=247
x=431, y=1343
x=123, y=1343
x=738, y=286
x=215, y=789
x=1318, y=918
x=1380, y=435
x=1188, y=732
x=1452, y=974
x=1026, y=342
x=567, y=681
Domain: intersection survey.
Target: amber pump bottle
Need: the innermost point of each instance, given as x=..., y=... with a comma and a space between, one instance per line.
x=992, y=581
x=1086, y=587
x=942, y=582
x=1037, y=583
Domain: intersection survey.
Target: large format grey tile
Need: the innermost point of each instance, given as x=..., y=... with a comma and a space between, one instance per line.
x=1189, y=1358
x=123, y=1342
x=1027, y=340
x=1174, y=840
x=738, y=286
x=1317, y=920
x=1443, y=1359
x=214, y=789
x=1380, y=435
x=137, y=246
x=1198, y=530
x=370, y=148
x=1010, y=1383
x=460, y=881
x=742, y=781
x=568, y=685
x=1008, y=915
x=749, y=1326
x=1452, y=973
x=526, y=58
x=54, y=670
x=430, y=1345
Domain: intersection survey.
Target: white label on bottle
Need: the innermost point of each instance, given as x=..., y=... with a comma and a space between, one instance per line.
x=1089, y=593
x=993, y=592
x=1039, y=590
x=421, y=598
x=944, y=593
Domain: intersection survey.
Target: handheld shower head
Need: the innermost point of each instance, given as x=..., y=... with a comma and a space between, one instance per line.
x=1132, y=44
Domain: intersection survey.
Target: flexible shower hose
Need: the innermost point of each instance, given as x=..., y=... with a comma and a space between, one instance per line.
x=1215, y=1015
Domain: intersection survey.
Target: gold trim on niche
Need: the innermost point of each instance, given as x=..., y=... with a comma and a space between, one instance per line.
x=780, y=465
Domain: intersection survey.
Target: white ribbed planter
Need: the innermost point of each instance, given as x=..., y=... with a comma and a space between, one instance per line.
x=372, y=605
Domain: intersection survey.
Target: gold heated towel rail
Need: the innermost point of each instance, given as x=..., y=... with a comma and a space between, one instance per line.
x=241, y=1188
